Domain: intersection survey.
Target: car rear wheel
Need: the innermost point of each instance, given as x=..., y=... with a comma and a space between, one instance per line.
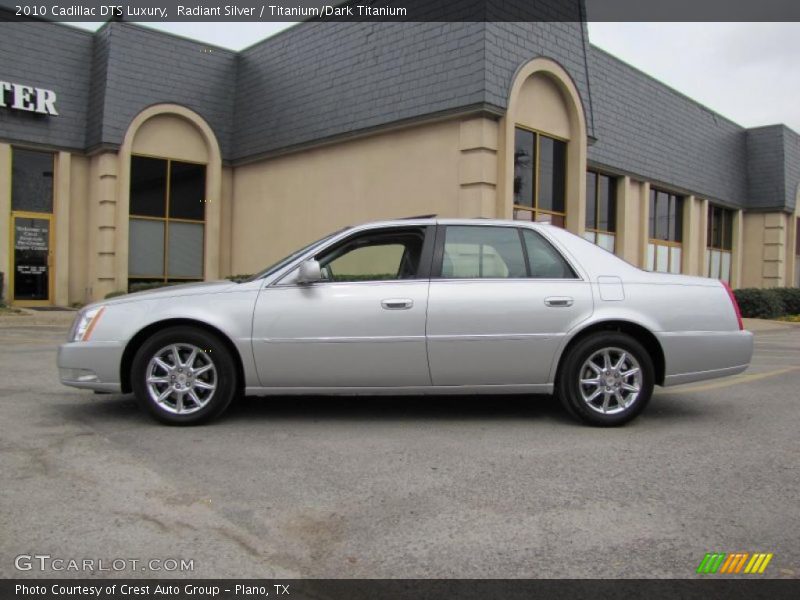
x=183, y=376
x=606, y=379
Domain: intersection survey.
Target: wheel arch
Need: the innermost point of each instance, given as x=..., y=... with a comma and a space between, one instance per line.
x=142, y=335
x=638, y=332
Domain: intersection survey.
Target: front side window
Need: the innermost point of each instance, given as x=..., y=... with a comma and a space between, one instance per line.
x=666, y=232
x=375, y=256
x=167, y=220
x=540, y=177
x=719, y=242
x=476, y=252
x=601, y=210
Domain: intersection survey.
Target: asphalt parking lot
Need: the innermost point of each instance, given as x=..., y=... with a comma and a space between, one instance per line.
x=401, y=487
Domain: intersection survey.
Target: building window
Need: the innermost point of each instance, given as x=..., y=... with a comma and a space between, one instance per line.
x=540, y=177
x=32, y=181
x=719, y=242
x=167, y=220
x=797, y=253
x=601, y=210
x=666, y=232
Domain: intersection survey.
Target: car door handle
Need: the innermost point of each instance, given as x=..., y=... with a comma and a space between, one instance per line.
x=397, y=303
x=558, y=301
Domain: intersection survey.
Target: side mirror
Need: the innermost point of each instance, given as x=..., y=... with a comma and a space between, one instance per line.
x=309, y=272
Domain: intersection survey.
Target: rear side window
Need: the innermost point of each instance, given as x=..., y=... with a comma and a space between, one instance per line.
x=482, y=252
x=545, y=261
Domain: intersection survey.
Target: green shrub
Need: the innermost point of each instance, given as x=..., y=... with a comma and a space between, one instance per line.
x=240, y=278
x=790, y=297
x=115, y=293
x=758, y=303
x=141, y=286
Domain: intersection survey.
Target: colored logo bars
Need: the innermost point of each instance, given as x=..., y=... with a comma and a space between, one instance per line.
x=734, y=563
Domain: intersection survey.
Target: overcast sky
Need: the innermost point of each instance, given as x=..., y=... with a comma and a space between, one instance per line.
x=748, y=72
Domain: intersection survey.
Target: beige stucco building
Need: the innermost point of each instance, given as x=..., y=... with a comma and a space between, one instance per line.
x=129, y=156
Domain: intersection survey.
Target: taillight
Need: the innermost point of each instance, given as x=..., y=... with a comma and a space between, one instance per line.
x=735, y=304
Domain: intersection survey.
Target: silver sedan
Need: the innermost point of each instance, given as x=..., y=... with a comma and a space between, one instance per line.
x=416, y=306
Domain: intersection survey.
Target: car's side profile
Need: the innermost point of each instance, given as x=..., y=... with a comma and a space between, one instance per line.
x=416, y=306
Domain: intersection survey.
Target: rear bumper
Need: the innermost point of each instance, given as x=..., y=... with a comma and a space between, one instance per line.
x=699, y=355
x=91, y=365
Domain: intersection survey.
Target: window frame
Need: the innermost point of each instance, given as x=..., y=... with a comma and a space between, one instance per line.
x=612, y=201
x=166, y=219
x=438, y=255
x=652, y=226
x=725, y=232
x=534, y=209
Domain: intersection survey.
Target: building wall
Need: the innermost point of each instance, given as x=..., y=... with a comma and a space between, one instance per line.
x=285, y=202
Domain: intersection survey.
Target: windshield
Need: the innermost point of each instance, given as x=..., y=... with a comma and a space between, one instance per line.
x=285, y=261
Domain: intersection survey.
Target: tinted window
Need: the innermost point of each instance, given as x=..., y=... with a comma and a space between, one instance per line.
x=545, y=261
x=32, y=181
x=187, y=191
x=476, y=252
x=524, y=159
x=375, y=256
x=148, y=186
x=552, y=173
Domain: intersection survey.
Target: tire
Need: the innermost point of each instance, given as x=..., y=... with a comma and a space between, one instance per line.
x=197, y=389
x=602, y=396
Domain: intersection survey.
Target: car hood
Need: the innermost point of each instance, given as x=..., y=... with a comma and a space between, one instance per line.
x=171, y=291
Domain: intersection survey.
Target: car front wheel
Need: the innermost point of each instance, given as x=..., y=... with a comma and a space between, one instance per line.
x=606, y=379
x=183, y=375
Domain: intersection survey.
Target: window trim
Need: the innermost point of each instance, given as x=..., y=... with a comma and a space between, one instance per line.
x=534, y=209
x=438, y=255
x=165, y=277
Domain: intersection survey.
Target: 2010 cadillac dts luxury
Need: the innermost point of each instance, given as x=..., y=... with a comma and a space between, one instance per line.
x=422, y=306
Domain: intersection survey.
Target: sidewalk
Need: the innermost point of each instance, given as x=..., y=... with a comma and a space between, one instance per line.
x=36, y=318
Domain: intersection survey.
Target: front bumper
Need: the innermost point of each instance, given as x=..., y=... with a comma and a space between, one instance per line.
x=700, y=355
x=91, y=365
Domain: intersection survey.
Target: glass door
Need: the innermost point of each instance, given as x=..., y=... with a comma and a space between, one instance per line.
x=31, y=277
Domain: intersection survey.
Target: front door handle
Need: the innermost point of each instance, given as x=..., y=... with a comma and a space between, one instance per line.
x=558, y=301
x=397, y=303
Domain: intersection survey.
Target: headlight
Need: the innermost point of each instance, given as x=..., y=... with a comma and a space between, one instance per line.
x=85, y=323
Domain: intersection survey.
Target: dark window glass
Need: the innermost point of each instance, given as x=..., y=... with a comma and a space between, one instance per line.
x=524, y=161
x=797, y=242
x=662, y=215
x=675, y=231
x=720, y=228
x=545, y=261
x=32, y=181
x=187, y=191
x=652, y=214
x=606, y=204
x=552, y=173
x=148, y=186
x=475, y=252
x=727, y=229
x=591, y=200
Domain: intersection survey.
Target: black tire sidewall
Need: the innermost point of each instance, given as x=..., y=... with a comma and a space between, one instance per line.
x=568, y=388
x=219, y=355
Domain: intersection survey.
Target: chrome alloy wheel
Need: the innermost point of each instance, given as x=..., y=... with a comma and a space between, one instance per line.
x=181, y=378
x=610, y=381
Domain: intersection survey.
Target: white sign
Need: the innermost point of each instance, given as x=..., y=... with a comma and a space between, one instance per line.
x=17, y=96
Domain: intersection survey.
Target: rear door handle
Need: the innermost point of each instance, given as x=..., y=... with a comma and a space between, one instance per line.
x=558, y=301
x=397, y=303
